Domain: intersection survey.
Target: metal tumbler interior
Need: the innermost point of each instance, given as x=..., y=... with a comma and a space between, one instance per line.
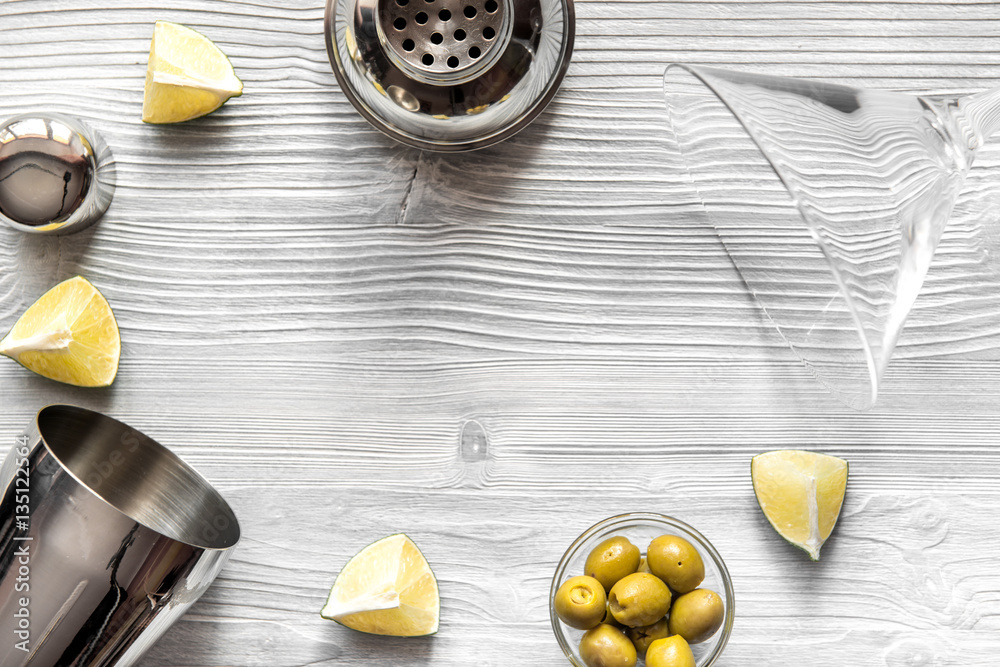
x=57, y=176
x=106, y=538
x=449, y=75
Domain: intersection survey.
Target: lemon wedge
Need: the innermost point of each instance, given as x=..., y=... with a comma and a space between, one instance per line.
x=68, y=335
x=387, y=589
x=187, y=76
x=801, y=494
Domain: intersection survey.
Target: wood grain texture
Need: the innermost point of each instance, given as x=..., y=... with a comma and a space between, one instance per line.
x=311, y=315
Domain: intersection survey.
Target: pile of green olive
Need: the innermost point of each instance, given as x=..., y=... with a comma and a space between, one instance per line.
x=632, y=606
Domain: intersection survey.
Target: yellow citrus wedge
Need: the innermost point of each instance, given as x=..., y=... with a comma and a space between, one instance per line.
x=801, y=494
x=68, y=335
x=387, y=589
x=187, y=76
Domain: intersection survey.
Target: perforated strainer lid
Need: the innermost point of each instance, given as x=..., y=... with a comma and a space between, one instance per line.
x=449, y=75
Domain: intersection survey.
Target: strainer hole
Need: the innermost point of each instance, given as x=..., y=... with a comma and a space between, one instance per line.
x=429, y=1
x=453, y=62
x=489, y=33
x=474, y=52
x=437, y=38
x=459, y=35
x=408, y=45
x=491, y=6
x=444, y=15
x=420, y=18
x=402, y=3
x=399, y=23
x=470, y=12
x=428, y=59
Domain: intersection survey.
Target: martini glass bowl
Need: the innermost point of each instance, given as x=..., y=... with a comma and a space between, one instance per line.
x=830, y=200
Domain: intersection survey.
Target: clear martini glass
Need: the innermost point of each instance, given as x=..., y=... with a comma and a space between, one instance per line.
x=830, y=200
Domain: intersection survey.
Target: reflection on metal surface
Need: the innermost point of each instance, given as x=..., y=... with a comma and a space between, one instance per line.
x=56, y=175
x=57, y=619
x=474, y=71
x=113, y=535
x=404, y=98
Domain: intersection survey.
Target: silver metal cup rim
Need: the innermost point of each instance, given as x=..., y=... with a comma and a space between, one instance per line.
x=100, y=191
x=161, y=450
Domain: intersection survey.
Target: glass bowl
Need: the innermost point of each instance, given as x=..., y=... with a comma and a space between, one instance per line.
x=640, y=528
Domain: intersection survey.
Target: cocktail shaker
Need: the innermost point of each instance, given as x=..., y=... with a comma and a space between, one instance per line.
x=449, y=75
x=106, y=539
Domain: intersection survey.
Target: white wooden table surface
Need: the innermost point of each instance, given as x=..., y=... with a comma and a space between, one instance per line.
x=313, y=315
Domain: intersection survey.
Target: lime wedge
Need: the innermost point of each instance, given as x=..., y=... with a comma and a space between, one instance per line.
x=68, y=335
x=387, y=589
x=801, y=494
x=187, y=76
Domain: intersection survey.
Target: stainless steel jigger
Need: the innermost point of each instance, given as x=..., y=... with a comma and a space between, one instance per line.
x=449, y=75
x=106, y=539
x=57, y=176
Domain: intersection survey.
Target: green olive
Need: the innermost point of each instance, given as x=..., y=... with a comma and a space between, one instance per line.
x=580, y=602
x=639, y=599
x=645, y=635
x=606, y=646
x=697, y=615
x=611, y=560
x=670, y=652
x=643, y=566
x=675, y=560
x=609, y=619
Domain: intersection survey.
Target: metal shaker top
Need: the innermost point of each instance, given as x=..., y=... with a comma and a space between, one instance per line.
x=449, y=75
x=56, y=175
x=444, y=41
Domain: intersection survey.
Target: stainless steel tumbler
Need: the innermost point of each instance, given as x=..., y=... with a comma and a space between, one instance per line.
x=106, y=539
x=57, y=176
